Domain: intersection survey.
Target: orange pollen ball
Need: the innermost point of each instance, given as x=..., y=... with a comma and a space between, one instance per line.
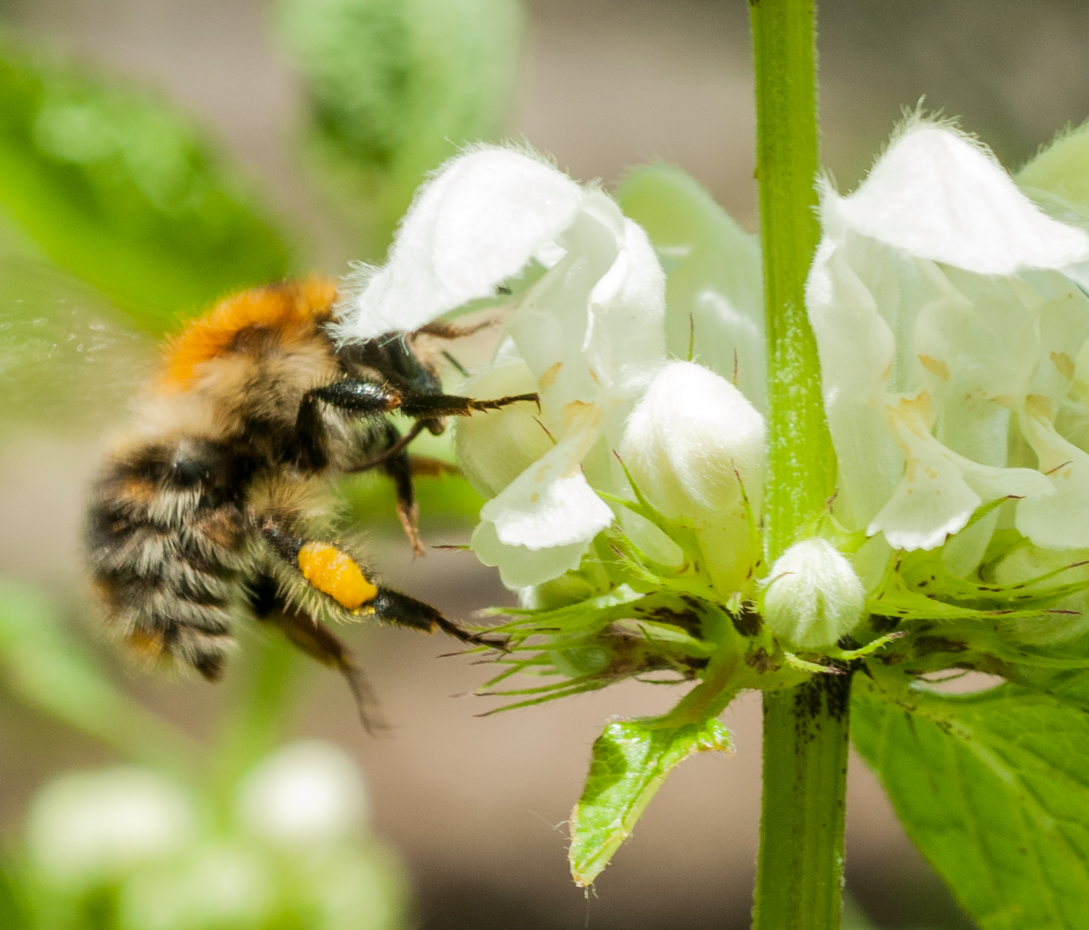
x=335, y=573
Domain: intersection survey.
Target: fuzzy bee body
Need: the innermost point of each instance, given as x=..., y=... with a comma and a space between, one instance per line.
x=217, y=497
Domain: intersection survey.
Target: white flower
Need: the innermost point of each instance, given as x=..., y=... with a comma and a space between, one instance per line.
x=714, y=291
x=589, y=331
x=695, y=447
x=86, y=827
x=306, y=794
x=947, y=334
x=813, y=595
x=221, y=884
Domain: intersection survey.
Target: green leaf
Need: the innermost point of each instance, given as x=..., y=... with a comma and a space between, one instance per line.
x=396, y=87
x=630, y=761
x=994, y=790
x=44, y=667
x=13, y=911
x=1058, y=176
x=120, y=189
x=714, y=289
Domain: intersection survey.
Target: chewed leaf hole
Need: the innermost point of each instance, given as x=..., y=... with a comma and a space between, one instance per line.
x=961, y=682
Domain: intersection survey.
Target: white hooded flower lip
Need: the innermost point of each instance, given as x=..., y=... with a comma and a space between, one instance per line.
x=933, y=298
x=936, y=195
x=692, y=441
x=478, y=222
x=589, y=331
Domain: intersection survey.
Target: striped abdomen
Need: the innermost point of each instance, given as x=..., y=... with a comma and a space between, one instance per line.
x=165, y=544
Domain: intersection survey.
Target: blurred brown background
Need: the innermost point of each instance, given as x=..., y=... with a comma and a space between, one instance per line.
x=476, y=806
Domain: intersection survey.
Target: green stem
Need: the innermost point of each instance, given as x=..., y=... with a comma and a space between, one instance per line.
x=800, y=866
x=799, y=447
x=799, y=878
x=256, y=720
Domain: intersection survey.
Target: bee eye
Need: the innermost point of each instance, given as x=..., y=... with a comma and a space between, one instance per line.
x=186, y=472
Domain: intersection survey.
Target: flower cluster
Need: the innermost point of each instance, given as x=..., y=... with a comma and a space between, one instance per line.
x=131, y=842
x=954, y=342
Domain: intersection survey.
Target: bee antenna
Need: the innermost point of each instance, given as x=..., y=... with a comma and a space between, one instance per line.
x=453, y=361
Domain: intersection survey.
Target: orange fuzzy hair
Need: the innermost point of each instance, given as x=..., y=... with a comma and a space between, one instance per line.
x=290, y=308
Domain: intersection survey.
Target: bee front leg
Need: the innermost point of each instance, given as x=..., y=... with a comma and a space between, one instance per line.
x=431, y=407
x=370, y=398
x=367, y=399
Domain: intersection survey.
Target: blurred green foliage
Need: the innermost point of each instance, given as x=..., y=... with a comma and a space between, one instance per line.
x=119, y=188
x=396, y=87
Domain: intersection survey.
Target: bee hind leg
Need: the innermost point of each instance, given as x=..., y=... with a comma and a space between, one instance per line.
x=310, y=636
x=401, y=610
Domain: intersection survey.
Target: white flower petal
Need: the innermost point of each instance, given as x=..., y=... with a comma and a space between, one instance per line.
x=1060, y=521
x=941, y=489
x=85, y=827
x=495, y=447
x=937, y=195
x=308, y=793
x=691, y=442
x=715, y=284
x=857, y=350
x=478, y=222
x=551, y=503
x=520, y=567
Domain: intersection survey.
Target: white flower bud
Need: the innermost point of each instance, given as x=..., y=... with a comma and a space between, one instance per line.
x=695, y=447
x=494, y=448
x=689, y=439
x=813, y=595
x=309, y=793
x=87, y=827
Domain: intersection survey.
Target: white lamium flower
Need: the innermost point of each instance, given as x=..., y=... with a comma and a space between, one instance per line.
x=306, y=794
x=949, y=334
x=88, y=827
x=589, y=331
x=695, y=447
x=714, y=292
x=495, y=449
x=812, y=595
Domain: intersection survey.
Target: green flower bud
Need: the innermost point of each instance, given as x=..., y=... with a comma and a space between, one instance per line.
x=813, y=595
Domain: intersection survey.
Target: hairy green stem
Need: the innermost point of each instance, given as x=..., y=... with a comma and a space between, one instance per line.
x=799, y=447
x=800, y=866
x=799, y=880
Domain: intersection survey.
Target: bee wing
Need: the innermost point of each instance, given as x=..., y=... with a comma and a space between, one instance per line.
x=66, y=353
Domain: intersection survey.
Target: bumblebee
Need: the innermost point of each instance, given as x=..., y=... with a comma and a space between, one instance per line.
x=217, y=496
